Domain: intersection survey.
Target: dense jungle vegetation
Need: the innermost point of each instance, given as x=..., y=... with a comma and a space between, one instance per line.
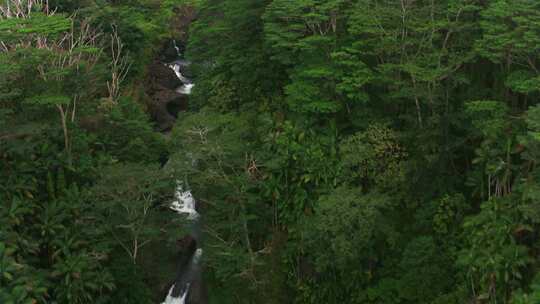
x=342, y=151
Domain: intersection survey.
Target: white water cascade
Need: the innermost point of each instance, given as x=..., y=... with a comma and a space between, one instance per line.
x=187, y=84
x=177, y=49
x=184, y=203
x=177, y=66
x=180, y=300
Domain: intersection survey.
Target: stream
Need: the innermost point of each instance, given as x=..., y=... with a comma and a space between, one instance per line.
x=185, y=205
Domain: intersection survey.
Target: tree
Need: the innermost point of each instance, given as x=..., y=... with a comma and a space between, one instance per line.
x=126, y=199
x=65, y=51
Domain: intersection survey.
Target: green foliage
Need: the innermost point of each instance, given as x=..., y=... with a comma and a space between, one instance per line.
x=127, y=134
x=532, y=138
x=230, y=78
x=126, y=196
x=56, y=143
x=131, y=287
x=422, y=264
x=19, y=284
x=343, y=229
x=341, y=151
x=55, y=250
x=13, y=29
x=217, y=164
x=450, y=213
x=306, y=45
x=487, y=117
x=301, y=169
x=374, y=158
x=493, y=261
x=528, y=297
x=388, y=125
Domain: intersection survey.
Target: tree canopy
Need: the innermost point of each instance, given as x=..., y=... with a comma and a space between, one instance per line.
x=340, y=151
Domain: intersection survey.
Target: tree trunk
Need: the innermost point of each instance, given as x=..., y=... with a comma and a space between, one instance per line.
x=65, y=129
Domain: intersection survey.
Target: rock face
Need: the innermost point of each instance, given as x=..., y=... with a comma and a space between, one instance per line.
x=162, y=84
x=169, y=51
x=161, y=75
x=186, y=247
x=198, y=293
x=165, y=102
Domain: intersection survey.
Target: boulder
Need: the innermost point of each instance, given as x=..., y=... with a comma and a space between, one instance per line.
x=168, y=52
x=164, y=101
x=165, y=105
x=186, y=246
x=163, y=119
x=198, y=293
x=160, y=75
x=177, y=104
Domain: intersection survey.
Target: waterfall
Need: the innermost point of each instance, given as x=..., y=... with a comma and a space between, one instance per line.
x=177, y=48
x=177, y=67
x=185, y=89
x=180, y=300
x=184, y=204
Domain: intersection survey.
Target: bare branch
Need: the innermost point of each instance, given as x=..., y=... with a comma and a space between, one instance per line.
x=120, y=66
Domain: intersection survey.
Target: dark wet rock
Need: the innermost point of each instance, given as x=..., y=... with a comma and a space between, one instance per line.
x=165, y=96
x=187, y=246
x=169, y=53
x=158, y=108
x=161, y=81
x=160, y=75
x=164, y=101
x=197, y=292
x=163, y=119
x=186, y=71
x=188, y=272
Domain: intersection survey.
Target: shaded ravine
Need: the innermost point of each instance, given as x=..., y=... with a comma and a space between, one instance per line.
x=167, y=87
x=185, y=205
